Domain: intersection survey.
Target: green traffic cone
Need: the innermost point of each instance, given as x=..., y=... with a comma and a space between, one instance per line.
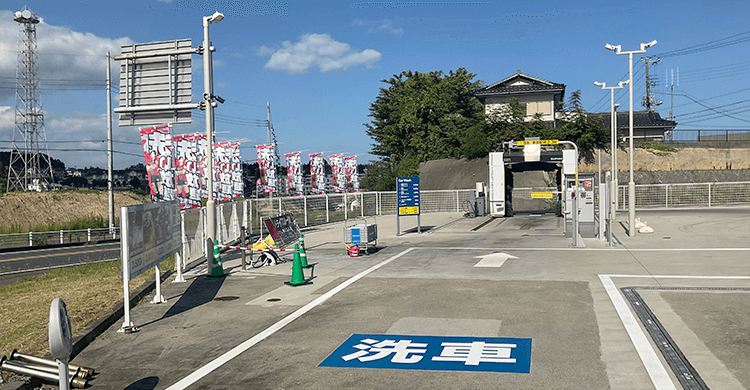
x=302, y=256
x=217, y=270
x=298, y=277
x=301, y=242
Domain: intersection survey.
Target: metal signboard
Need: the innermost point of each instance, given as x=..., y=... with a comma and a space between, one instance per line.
x=408, y=195
x=155, y=83
x=151, y=233
x=283, y=229
x=444, y=353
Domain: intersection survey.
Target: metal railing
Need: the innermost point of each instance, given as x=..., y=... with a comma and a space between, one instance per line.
x=57, y=237
x=686, y=195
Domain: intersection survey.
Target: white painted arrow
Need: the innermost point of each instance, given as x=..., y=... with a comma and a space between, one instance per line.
x=493, y=259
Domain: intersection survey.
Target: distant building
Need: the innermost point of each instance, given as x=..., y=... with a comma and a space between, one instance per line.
x=647, y=125
x=536, y=95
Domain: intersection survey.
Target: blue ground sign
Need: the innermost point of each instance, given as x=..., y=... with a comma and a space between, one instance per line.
x=433, y=353
x=407, y=189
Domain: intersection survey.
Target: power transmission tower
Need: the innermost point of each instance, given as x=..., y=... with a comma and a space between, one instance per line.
x=649, y=99
x=30, y=168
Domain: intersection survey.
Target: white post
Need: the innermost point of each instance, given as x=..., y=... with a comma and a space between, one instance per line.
x=709, y=194
x=124, y=242
x=61, y=237
x=346, y=206
x=328, y=218
x=88, y=235
x=666, y=196
x=458, y=204
x=361, y=205
x=631, y=183
x=157, y=296
x=304, y=200
x=179, y=256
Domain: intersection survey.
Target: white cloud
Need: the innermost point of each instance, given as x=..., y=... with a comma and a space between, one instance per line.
x=379, y=26
x=316, y=50
x=64, y=54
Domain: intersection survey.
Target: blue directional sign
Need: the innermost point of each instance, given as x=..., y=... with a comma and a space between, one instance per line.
x=493, y=354
x=407, y=189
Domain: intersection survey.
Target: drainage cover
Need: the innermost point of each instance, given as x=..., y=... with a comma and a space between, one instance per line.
x=273, y=299
x=227, y=298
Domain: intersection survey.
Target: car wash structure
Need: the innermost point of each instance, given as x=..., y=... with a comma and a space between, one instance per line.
x=542, y=155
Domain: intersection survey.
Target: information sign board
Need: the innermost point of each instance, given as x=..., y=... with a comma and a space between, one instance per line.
x=151, y=233
x=283, y=229
x=541, y=195
x=537, y=142
x=493, y=354
x=408, y=195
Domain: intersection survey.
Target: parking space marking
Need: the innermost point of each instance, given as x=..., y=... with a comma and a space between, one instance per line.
x=656, y=370
x=234, y=352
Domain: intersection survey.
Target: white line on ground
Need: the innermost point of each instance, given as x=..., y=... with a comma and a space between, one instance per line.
x=655, y=368
x=593, y=249
x=234, y=352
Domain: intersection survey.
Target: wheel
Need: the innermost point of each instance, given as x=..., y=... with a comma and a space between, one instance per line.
x=266, y=258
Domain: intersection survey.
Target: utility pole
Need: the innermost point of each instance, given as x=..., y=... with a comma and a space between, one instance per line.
x=649, y=99
x=110, y=160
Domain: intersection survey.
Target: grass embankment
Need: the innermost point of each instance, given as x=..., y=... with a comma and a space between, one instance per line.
x=89, y=291
x=78, y=224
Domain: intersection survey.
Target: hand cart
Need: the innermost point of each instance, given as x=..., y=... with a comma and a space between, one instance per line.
x=359, y=234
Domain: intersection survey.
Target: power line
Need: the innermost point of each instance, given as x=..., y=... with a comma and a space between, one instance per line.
x=715, y=44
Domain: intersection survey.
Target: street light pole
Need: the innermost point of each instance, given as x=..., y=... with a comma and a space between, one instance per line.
x=631, y=184
x=613, y=143
x=208, y=100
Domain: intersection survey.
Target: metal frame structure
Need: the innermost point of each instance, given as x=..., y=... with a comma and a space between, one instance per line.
x=35, y=171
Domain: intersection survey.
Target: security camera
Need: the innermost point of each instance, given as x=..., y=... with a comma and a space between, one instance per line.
x=219, y=99
x=598, y=84
x=652, y=43
x=610, y=47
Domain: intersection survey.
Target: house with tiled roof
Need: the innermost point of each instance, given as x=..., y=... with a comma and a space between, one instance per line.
x=538, y=96
x=648, y=125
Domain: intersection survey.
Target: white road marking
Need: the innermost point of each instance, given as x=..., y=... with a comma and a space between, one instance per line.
x=234, y=352
x=493, y=260
x=653, y=365
x=517, y=249
x=656, y=370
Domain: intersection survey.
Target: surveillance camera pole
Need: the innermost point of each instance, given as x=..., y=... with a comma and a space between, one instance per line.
x=631, y=184
x=208, y=97
x=613, y=142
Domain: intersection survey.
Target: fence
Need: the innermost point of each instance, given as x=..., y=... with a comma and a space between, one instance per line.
x=686, y=195
x=58, y=237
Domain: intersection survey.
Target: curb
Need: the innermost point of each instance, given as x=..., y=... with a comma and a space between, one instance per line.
x=90, y=333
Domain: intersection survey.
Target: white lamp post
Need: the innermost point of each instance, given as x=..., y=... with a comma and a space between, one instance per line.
x=208, y=99
x=631, y=184
x=613, y=142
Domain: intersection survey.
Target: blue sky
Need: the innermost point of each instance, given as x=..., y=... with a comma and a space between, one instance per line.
x=320, y=64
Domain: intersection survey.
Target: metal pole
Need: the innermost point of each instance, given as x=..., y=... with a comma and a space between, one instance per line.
x=208, y=101
x=615, y=169
x=110, y=160
x=631, y=183
x=270, y=194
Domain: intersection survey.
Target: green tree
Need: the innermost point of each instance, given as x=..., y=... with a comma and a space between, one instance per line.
x=424, y=115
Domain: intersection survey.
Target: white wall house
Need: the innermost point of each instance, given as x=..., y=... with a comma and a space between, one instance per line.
x=535, y=94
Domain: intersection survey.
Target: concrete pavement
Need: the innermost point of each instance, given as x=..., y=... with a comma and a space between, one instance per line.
x=249, y=330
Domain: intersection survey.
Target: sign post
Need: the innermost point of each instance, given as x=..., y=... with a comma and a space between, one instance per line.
x=407, y=189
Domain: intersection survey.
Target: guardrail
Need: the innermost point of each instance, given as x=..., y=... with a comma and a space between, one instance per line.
x=58, y=237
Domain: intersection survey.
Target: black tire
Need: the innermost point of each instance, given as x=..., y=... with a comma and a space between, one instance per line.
x=266, y=258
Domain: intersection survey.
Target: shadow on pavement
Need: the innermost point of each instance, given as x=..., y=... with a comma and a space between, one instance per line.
x=201, y=291
x=148, y=383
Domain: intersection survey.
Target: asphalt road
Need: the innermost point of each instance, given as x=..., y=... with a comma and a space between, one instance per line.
x=20, y=265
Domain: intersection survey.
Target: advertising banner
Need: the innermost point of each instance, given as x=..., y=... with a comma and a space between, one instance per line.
x=350, y=171
x=223, y=171
x=294, y=183
x=338, y=179
x=238, y=186
x=267, y=179
x=189, y=189
x=317, y=174
x=157, y=149
x=202, y=167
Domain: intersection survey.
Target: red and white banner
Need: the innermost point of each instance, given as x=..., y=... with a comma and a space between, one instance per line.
x=317, y=174
x=338, y=179
x=350, y=171
x=267, y=179
x=187, y=167
x=294, y=183
x=238, y=186
x=157, y=149
x=223, y=171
